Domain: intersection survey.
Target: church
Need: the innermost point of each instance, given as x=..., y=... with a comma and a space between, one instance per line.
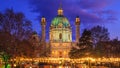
x=60, y=35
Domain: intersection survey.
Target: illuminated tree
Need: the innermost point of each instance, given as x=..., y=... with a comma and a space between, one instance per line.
x=14, y=29
x=5, y=58
x=84, y=48
x=101, y=50
x=25, y=49
x=100, y=38
x=85, y=44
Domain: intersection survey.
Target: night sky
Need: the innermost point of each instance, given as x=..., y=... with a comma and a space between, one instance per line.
x=91, y=12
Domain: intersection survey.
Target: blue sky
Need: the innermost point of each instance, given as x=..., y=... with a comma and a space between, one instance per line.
x=91, y=12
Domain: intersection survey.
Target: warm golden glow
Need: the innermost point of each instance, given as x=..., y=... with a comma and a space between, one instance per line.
x=60, y=67
x=43, y=20
x=77, y=19
x=64, y=35
x=14, y=65
x=60, y=11
x=80, y=60
x=52, y=52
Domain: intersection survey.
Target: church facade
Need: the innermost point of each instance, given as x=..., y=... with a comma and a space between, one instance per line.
x=60, y=35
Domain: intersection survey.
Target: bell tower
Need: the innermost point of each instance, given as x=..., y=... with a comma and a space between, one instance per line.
x=43, y=38
x=43, y=25
x=77, y=23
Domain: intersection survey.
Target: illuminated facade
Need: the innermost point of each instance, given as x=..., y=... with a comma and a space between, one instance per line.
x=60, y=35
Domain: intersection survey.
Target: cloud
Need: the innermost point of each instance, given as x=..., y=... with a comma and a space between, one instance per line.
x=90, y=11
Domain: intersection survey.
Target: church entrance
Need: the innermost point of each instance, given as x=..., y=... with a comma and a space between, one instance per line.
x=60, y=54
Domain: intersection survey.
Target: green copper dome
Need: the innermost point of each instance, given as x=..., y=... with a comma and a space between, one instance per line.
x=60, y=21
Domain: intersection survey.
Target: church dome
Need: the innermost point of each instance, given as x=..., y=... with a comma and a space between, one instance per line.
x=60, y=21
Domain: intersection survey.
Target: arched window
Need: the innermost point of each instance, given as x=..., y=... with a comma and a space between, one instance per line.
x=60, y=36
